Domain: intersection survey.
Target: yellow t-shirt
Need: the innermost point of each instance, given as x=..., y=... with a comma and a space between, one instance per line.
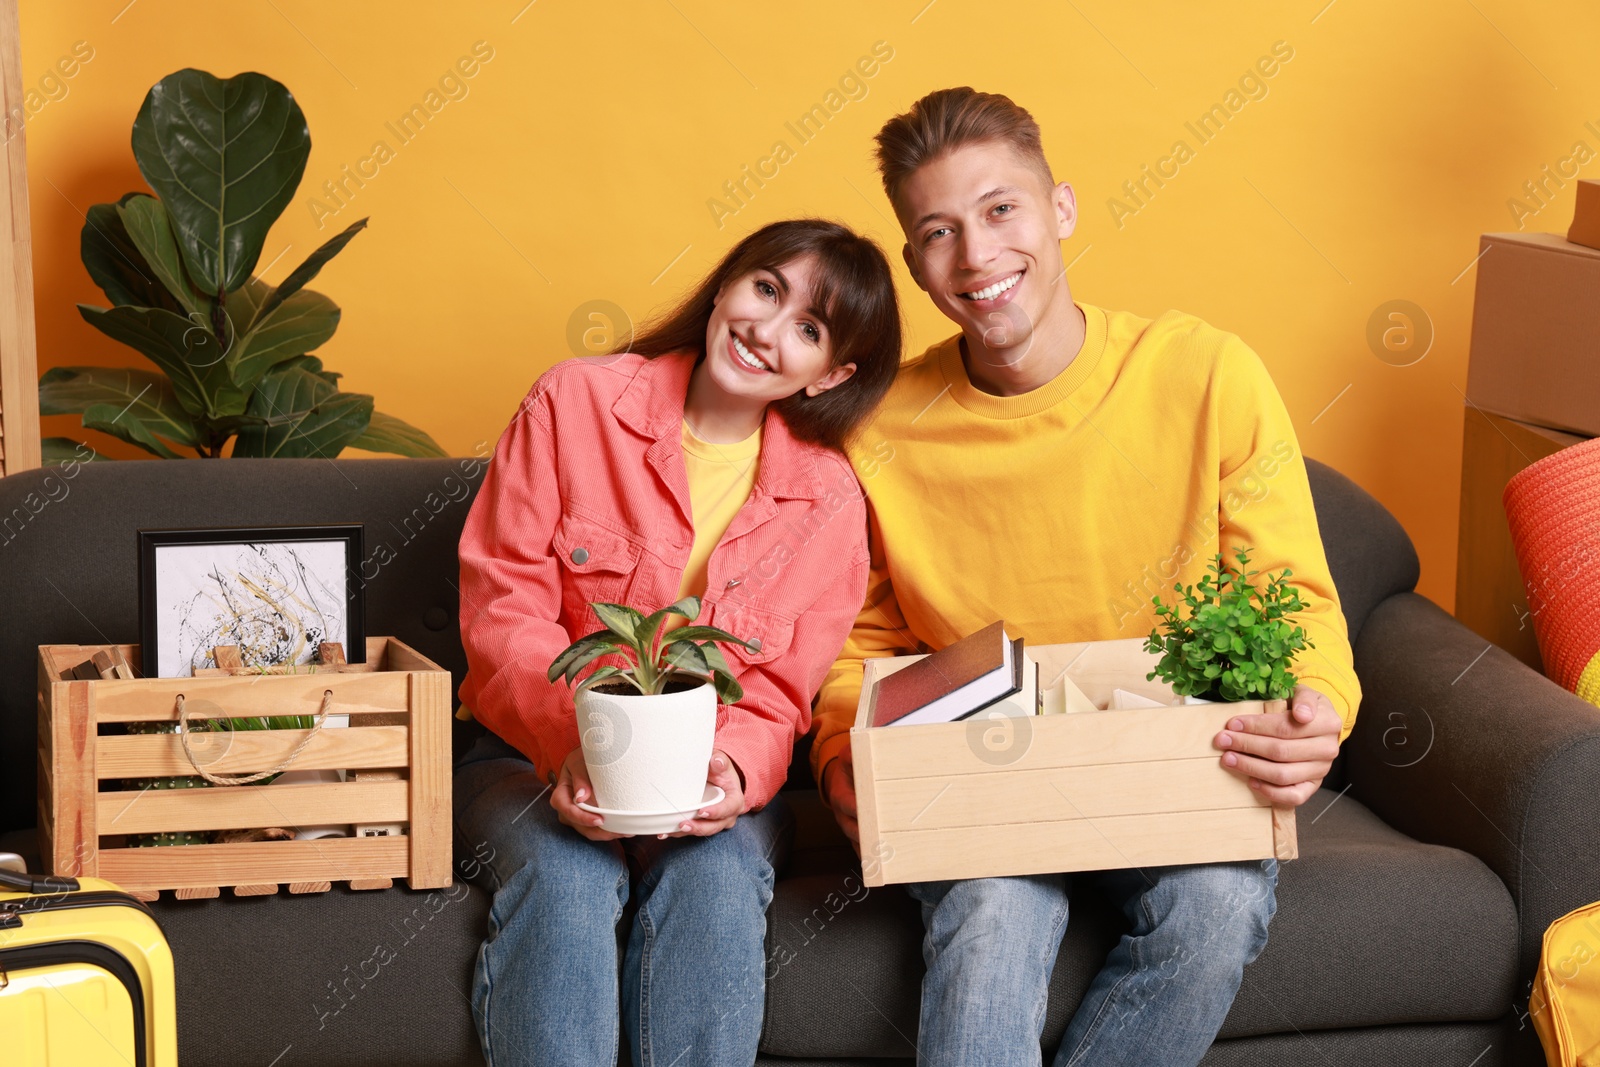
x=1066, y=509
x=721, y=475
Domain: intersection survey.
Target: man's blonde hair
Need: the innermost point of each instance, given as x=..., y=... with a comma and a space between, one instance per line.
x=948, y=119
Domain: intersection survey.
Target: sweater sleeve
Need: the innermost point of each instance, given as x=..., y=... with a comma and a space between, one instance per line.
x=511, y=594
x=1266, y=506
x=879, y=631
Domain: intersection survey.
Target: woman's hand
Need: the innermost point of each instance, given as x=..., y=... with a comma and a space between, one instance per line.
x=714, y=818
x=572, y=785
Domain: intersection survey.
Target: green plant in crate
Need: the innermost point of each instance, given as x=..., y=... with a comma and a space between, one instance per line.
x=1235, y=643
x=195, y=781
x=224, y=157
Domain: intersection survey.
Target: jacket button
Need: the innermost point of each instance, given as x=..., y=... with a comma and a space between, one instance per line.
x=580, y=555
x=755, y=644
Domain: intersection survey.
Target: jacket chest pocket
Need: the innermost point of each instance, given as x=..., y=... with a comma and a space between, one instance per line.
x=597, y=564
x=774, y=633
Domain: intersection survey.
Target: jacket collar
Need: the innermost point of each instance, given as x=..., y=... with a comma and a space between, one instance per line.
x=652, y=405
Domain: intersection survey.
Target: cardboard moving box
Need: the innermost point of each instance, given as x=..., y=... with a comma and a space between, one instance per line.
x=1536, y=332
x=1585, y=229
x=1490, y=598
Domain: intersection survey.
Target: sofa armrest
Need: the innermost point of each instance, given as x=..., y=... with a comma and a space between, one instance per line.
x=1459, y=743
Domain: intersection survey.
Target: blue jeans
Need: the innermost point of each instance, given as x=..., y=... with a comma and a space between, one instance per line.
x=553, y=983
x=991, y=944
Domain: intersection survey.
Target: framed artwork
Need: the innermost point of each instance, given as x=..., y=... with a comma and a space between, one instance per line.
x=276, y=592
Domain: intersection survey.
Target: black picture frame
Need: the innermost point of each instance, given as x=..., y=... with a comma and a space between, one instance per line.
x=179, y=612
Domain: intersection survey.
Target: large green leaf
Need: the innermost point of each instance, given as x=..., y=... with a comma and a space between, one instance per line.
x=314, y=365
x=116, y=264
x=147, y=397
x=108, y=418
x=225, y=156
x=295, y=327
x=182, y=347
x=145, y=220
x=305, y=416
x=385, y=433
x=301, y=276
x=56, y=450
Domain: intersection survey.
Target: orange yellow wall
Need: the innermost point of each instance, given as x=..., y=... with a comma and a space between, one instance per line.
x=583, y=159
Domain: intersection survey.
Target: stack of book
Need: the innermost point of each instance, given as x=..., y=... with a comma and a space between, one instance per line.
x=984, y=671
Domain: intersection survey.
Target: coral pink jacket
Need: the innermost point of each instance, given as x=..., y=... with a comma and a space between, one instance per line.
x=586, y=499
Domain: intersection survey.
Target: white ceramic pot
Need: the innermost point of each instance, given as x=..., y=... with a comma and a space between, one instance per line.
x=648, y=753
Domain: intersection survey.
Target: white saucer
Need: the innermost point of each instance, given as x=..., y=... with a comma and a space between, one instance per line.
x=653, y=822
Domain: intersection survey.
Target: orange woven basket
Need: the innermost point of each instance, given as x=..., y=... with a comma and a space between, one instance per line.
x=1553, y=507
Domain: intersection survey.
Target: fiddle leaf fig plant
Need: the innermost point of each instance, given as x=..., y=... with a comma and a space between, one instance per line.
x=232, y=352
x=654, y=658
x=1234, y=643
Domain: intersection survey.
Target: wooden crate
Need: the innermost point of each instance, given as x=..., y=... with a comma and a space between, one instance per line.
x=81, y=767
x=1098, y=790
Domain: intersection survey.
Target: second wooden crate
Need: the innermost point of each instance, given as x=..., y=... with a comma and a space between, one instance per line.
x=1100, y=790
x=83, y=761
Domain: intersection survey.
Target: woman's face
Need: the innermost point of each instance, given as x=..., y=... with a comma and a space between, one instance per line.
x=765, y=341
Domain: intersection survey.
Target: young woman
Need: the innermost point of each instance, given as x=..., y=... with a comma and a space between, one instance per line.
x=706, y=460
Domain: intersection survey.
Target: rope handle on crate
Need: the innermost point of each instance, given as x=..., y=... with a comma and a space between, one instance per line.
x=246, y=779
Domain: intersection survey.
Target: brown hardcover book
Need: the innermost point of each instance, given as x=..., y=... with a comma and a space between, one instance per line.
x=952, y=683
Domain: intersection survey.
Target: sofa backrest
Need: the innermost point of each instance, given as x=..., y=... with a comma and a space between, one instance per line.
x=69, y=566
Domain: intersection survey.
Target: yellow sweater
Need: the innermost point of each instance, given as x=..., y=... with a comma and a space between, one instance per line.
x=1064, y=510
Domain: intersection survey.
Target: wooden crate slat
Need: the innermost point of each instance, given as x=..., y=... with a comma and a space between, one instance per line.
x=402, y=657
x=248, y=806
x=430, y=829
x=1060, y=794
x=1131, y=736
x=72, y=777
x=1077, y=845
x=185, y=866
x=152, y=699
x=249, y=751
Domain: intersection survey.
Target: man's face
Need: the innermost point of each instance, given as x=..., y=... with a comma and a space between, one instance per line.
x=983, y=240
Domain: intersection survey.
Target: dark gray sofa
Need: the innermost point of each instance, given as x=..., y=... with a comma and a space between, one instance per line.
x=1462, y=818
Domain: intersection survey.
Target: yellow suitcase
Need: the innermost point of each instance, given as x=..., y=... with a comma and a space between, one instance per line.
x=1565, y=1004
x=85, y=976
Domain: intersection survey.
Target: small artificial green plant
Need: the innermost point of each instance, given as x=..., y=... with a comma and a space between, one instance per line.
x=1235, y=643
x=654, y=658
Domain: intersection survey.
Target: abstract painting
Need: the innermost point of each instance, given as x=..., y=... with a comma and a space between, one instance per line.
x=275, y=593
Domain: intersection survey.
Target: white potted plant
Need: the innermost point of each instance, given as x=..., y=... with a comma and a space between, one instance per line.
x=647, y=727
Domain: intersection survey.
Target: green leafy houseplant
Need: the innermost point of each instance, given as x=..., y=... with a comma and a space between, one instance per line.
x=654, y=658
x=224, y=157
x=1235, y=643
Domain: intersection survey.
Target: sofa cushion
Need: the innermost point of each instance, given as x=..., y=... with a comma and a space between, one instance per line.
x=1367, y=922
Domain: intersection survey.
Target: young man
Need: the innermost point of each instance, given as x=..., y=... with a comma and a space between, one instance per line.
x=1056, y=464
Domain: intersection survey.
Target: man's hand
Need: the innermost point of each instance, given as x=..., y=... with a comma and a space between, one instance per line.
x=1284, y=755
x=572, y=785
x=714, y=818
x=839, y=793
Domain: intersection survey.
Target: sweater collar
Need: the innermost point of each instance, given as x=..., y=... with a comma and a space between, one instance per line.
x=963, y=392
x=652, y=405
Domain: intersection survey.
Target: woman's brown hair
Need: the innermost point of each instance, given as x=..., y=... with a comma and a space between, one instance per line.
x=854, y=291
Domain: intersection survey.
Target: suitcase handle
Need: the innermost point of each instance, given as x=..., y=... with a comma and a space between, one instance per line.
x=35, y=884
